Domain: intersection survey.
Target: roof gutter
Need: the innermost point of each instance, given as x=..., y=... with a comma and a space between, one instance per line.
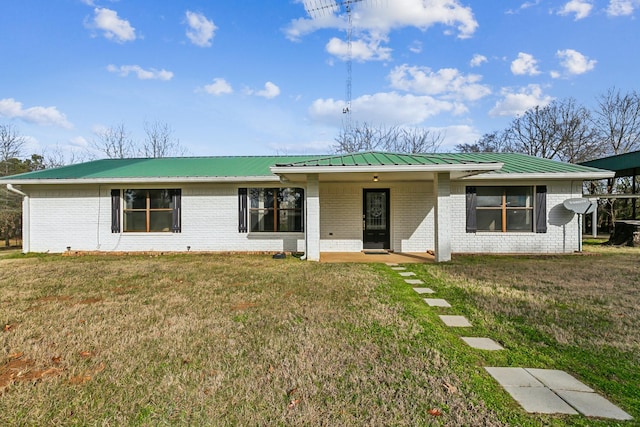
x=15, y=190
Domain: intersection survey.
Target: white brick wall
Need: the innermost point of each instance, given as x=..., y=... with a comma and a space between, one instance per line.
x=77, y=217
x=562, y=227
x=80, y=217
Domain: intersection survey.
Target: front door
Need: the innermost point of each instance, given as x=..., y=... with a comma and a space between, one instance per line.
x=375, y=219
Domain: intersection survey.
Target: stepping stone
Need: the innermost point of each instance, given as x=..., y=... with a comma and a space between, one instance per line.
x=398, y=268
x=558, y=380
x=391, y=264
x=424, y=290
x=407, y=273
x=518, y=377
x=414, y=281
x=437, y=302
x=482, y=343
x=551, y=391
x=456, y=321
x=593, y=405
x=539, y=400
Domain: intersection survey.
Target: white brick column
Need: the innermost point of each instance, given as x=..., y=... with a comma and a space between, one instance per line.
x=442, y=223
x=312, y=227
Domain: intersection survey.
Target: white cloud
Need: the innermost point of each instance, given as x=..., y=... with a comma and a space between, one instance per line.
x=387, y=108
x=478, y=60
x=47, y=116
x=201, y=30
x=574, y=62
x=517, y=102
x=361, y=50
x=142, y=74
x=219, y=87
x=415, y=46
x=622, y=7
x=270, y=91
x=382, y=17
x=114, y=28
x=525, y=64
x=446, y=82
x=581, y=9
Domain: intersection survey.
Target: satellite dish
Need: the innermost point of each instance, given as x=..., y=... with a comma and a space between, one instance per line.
x=580, y=206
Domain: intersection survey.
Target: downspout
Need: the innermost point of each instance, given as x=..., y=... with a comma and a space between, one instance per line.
x=25, y=217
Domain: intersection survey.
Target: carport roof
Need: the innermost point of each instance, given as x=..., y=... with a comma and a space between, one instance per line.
x=627, y=164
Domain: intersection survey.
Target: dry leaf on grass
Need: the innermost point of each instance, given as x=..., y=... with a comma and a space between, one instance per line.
x=293, y=403
x=8, y=327
x=451, y=389
x=56, y=360
x=16, y=355
x=435, y=412
x=85, y=354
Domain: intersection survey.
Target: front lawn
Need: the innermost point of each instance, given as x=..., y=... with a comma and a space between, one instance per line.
x=249, y=340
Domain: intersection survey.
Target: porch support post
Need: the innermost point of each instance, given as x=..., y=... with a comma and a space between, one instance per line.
x=312, y=229
x=442, y=223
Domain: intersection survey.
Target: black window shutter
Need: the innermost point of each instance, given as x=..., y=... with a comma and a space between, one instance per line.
x=472, y=204
x=541, y=209
x=115, y=211
x=242, y=210
x=176, y=198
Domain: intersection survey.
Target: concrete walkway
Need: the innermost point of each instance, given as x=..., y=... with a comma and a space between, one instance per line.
x=546, y=391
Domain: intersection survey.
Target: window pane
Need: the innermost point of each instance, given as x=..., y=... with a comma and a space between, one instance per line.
x=261, y=220
x=262, y=198
x=519, y=196
x=135, y=199
x=135, y=221
x=290, y=220
x=160, y=199
x=489, y=196
x=160, y=221
x=519, y=219
x=489, y=219
x=290, y=198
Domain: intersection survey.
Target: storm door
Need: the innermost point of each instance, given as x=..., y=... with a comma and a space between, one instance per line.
x=375, y=219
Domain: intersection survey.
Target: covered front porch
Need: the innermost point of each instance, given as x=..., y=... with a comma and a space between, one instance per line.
x=332, y=232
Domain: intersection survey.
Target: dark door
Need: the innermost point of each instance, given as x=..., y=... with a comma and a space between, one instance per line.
x=375, y=219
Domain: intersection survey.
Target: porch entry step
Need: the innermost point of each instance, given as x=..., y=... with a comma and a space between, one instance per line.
x=375, y=252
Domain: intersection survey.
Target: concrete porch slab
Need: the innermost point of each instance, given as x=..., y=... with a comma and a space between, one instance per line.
x=437, y=302
x=424, y=290
x=456, y=321
x=482, y=343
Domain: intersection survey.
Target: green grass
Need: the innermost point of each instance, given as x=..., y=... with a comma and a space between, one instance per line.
x=248, y=340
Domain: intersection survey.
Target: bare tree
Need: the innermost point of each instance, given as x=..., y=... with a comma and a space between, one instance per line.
x=617, y=121
x=560, y=131
x=160, y=141
x=114, y=142
x=11, y=146
x=364, y=137
x=494, y=142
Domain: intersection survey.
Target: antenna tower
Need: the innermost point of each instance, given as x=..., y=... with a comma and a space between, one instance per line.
x=318, y=8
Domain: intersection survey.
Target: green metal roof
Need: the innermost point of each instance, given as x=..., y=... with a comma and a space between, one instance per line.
x=258, y=166
x=626, y=164
x=170, y=167
x=514, y=163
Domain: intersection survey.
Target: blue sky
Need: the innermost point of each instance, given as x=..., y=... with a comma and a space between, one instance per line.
x=255, y=77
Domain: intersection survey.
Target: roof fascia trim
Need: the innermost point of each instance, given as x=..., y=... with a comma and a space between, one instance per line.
x=548, y=175
x=481, y=167
x=153, y=180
